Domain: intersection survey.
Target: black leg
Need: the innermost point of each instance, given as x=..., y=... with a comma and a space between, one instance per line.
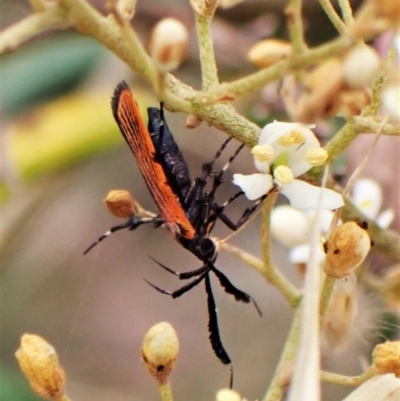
x=180, y=291
x=229, y=288
x=184, y=275
x=213, y=329
x=131, y=224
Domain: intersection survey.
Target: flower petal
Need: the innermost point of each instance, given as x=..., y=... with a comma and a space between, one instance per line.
x=385, y=219
x=305, y=196
x=367, y=196
x=301, y=254
x=254, y=185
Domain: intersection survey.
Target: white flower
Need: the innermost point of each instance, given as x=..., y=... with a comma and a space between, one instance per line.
x=283, y=153
x=367, y=197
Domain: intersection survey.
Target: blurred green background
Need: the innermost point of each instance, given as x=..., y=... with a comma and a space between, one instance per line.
x=61, y=152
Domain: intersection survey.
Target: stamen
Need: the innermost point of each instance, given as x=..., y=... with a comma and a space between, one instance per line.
x=293, y=138
x=263, y=153
x=317, y=156
x=283, y=175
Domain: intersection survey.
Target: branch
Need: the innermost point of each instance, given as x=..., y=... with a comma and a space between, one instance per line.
x=332, y=15
x=29, y=27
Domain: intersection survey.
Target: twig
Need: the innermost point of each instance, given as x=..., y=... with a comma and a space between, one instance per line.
x=347, y=12
x=29, y=27
x=295, y=23
x=348, y=380
x=332, y=15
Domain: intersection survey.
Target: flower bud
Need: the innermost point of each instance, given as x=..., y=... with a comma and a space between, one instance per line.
x=192, y=121
x=391, y=101
x=227, y=395
x=126, y=9
x=289, y=226
x=268, y=52
x=346, y=248
x=159, y=351
x=168, y=44
x=38, y=361
x=120, y=203
x=386, y=358
x=360, y=67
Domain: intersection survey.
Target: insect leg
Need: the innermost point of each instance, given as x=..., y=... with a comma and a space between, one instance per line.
x=180, y=291
x=131, y=224
x=215, y=338
x=184, y=275
x=231, y=289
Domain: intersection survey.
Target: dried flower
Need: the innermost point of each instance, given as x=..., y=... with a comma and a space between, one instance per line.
x=268, y=52
x=227, y=395
x=120, y=203
x=346, y=249
x=168, y=44
x=159, y=351
x=340, y=314
x=38, y=361
x=386, y=358
x=360, y=67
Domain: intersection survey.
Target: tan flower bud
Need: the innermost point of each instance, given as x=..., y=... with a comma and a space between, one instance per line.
x=226, y=394
x=126, y=9
x=346, y=248
x=193, y=121
x=351, y=102
x=389, y=9
x=360, y=67
x=120, y=203
x=317, y=156
x=38, y=361
x=159, y=351
x=168, y=44
x=268, y=52
x=386, y=358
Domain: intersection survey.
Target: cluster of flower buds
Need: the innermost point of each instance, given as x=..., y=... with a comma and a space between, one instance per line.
x=337, y=86
x=38, y=361
x=386, y=358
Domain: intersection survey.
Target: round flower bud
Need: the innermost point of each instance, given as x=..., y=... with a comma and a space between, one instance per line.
x=168, y=44
x=120, y=203
x=38, y=361
x=360, y=67
x=289, y=226
x=391, y=101
x=159, y=351
x=346, y=248
x=386, y=358
x=227, y=395
x=268, y=52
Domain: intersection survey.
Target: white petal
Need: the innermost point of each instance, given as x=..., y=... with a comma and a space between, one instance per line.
x=379, y=388
x=305, y=196
x=301, y=254
x=385, y=219
x=254, y=185
x=289, y=226
x=367, y=196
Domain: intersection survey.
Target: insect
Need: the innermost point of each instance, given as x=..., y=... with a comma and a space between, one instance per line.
x=186, y=209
